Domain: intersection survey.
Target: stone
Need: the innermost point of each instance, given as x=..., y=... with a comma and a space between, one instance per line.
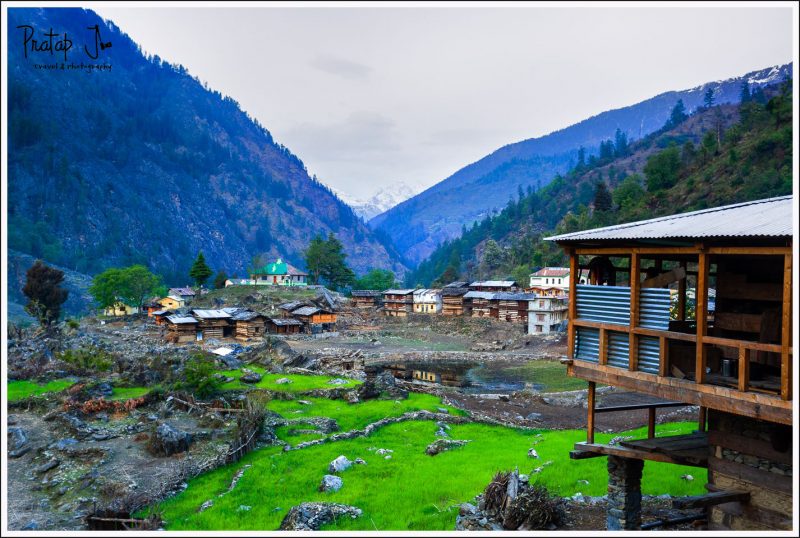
x=303, y=402
x=231, y=362
x=206, y=505
x=443, y=410
x=467, y=509
x=338, y=381
x=52, y=464
x=339, y=464
x=32, y=525
x=533, y=416
x=331, y=483
x=169, y=440
x=19, y=438
x=533, y=454
x=101, y=390
x=443, y=445
x=359, y=461
x=244, y=508
x=310, y=516
x=351, y=397
x=64, y=444
x=250, y=377
x=382, y=451
x=283, y=381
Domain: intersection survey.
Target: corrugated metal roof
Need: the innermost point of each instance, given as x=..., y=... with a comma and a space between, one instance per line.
x=457, y=284
x=292, y=305
x=453, y=292
x=246, y=315
x=771, y=217
x=495, y=283
x=181, y=319
x=181, y=291
x=399, y=292
x=479, y=295
x=285, y=321
x=365, y=293
x=505, y=296
x=211, y=314
x=306, y=311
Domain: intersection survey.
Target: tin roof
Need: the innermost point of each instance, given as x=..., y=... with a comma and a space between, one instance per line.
x=285, y=321
x=181, y=319
x=211, y=314
x=292, y=305
x=365, y=293
x=771, y=217
x=457, y=284
x=504, y=296
x=246, y=315
x=181, y=291
x=495, y=283
x=479, y=295
x=306, y=311
x=399, y=292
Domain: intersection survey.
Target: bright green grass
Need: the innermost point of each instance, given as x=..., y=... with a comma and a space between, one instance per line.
x=19, y=390
x=351, y=416
x=127, y=393
x=411, y=491
x=300, y=383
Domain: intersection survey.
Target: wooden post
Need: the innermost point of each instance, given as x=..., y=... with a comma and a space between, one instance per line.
x=701, y=310
x=633, y=355
x=701, y=421
x=603, y=347
x=651, y=422
x=786, y=329
x=682, y=295
x=744, y=368
x=663, y=356
x=573, y=306
x=590, y=409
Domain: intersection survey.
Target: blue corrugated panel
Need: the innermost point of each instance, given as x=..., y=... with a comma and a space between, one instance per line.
x=587, y=343
x=618, y=347
x=654, y=308
x=608, y=304
x=649, y=347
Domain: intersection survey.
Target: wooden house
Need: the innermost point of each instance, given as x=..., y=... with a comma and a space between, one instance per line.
x=735, y=365
x=171, y=302
x=453, y=298
x=151, y=307
x=480, y=304
x=286, y=309
x=398, y=303
x=284, y=325
x=315, y=319
x=213, y=324
x=186, y=293
x=494, y=285
x=427, y=301
x=246, y=323
x=160, y=316
x=182, y=328
x=366, y=298
x=512, y=307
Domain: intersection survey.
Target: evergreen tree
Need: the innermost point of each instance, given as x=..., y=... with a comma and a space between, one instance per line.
x=708, y=98
x=581, y=158
x=219, y=280
x=44, y=292
x=744, y=93
x=200, y=271
x=662, y=169
x=620, y=143
x=678, y=115
x=315, y=258
x=602, y=198
x=325, y=260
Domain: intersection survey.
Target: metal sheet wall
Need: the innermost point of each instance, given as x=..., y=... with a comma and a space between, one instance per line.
x=618, y=349
x=587, y=344
x=654, y=308
x=649, y=351
x=607, y=304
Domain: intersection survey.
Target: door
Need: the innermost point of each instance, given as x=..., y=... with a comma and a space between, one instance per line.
x=199, y=336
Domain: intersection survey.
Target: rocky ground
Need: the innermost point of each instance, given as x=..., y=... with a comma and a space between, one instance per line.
x=69, y=460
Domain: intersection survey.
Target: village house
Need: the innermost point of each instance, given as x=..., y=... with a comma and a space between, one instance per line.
x=427, y=301
x=212, y=324
x=736, y=364
x=186, y=293
x=172, y=302
x=315, y=319
x=546, y=313
x=160, y=316
x=120, y=309
x=150, y=307
x=286, y=309
x=182, y=328
x=279, y=273
x=479, y=304
x=550, y=277
x=246, y=323
x=512, y=307
x=453, y=298
x=284, y=325
x=398, y=303
x=366, y=298
x=494, y=285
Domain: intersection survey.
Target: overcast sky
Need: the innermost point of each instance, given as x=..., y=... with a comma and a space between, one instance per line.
x=370, y=96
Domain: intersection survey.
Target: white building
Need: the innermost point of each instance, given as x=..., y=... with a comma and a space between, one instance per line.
x=545, y=313
x=427, y=301
x=550, y=281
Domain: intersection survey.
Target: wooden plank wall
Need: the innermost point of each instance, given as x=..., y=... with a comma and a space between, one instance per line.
x=754, y=456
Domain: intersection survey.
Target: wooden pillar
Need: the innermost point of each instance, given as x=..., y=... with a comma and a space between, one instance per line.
x=633, y=353
x=663, y=356
x=744, y=369
x=602, y=346
x=701, y=309
x=590, y=409
x=682, y=295
x=651, y=422
x=573, y=303
x=701, y=420
x=786, y=329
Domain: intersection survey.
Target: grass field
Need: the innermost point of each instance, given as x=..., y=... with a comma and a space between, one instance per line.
x=127, y=393
x=409, y=491
x=300, y=383
x=550, y=374
x=19, y=390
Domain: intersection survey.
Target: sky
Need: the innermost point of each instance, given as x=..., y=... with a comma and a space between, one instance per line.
x=368, y=97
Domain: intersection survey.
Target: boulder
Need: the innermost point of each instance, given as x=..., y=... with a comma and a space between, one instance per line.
x=311, y=516
x=231, y=362
x=250, y=377
x=338, y=381
x=339, y=464
x=168, y=440
x=331, y=483
x=101, y=390
x=283, y=381
x=443, y=445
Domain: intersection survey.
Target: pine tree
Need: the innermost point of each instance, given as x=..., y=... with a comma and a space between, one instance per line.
x=200, y=271
x=602, y=198
x=744, y=94
x=708, y=98
x=44, y=292
x=620, y=143
x=678, y=115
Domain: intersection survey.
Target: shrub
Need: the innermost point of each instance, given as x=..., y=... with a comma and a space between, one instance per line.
x=199, y=376
x=73, y=323
x=90, y=358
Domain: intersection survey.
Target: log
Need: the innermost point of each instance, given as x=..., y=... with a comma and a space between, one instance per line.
x=710, y=499
x=665, y=278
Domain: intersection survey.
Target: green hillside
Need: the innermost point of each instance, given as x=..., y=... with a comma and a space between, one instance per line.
x=719, y=155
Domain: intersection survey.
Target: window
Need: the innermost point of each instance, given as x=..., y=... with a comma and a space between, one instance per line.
x=541, y=304
x=539, y=317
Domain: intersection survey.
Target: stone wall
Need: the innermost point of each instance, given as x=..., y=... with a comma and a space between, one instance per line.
x=624, y=494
